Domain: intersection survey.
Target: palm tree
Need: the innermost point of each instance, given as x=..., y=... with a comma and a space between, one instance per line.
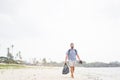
x=16, y=56
x=20, y=57
x=12, y=49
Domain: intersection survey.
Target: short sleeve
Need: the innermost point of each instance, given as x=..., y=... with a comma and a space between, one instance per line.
x=67, y=52
x=76, y=52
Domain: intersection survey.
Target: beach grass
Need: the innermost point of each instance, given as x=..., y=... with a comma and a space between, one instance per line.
x=11, y=66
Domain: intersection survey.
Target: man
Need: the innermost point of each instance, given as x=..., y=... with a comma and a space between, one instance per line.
x=71, y=56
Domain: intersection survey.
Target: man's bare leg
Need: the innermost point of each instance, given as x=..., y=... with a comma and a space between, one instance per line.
x=72, y=71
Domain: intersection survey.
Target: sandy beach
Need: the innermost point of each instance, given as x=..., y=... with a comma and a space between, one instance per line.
x=54, y=73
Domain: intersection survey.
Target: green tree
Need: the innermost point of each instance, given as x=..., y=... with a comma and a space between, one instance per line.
x=44, y=61
x=9, y=55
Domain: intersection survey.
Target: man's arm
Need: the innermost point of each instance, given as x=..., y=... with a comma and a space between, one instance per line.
x=78, y=57
x=66, y=57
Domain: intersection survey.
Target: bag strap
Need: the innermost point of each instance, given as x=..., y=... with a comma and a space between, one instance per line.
x=74, y=50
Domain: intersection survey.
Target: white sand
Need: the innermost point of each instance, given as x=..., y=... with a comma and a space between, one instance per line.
x=54, y=73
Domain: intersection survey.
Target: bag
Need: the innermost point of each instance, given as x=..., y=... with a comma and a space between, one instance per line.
x=65, y=69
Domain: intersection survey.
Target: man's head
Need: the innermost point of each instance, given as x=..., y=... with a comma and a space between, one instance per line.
x=72, y=45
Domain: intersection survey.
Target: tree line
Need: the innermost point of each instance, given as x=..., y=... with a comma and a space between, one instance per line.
x=10, y=58
x=44, y=62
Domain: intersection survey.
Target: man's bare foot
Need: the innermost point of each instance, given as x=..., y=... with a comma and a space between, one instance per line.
x=72, y=76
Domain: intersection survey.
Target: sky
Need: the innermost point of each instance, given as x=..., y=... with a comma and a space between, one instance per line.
x=45, y=29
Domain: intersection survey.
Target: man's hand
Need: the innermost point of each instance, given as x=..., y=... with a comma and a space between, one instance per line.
x=80, y=61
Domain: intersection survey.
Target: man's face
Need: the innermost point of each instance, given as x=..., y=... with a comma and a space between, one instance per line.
x=72, y=45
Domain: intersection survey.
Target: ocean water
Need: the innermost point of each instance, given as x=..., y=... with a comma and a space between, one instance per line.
x=99, y=73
